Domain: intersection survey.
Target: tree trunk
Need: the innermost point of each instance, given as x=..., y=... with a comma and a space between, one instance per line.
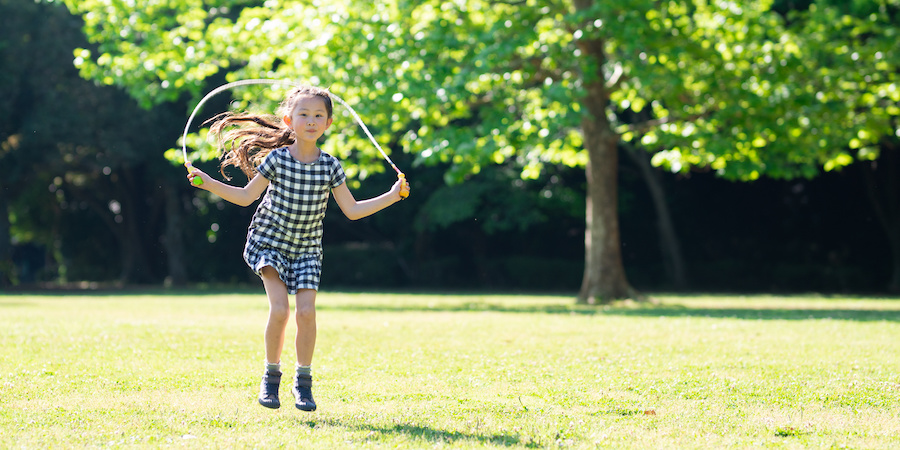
x=669, y=244
x=173, y=240
x=135, y=264
x=604, y=274
x=132, y=263
x=7, y=275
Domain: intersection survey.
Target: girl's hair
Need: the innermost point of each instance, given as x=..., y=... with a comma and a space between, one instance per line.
x=246, y=146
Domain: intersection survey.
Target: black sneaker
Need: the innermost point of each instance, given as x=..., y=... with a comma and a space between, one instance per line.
x=268, y=390
x=303, y=393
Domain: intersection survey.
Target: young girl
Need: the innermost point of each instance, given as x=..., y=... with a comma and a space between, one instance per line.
x=284, y=242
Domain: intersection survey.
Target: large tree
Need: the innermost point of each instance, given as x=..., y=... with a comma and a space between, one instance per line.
x=475, y=82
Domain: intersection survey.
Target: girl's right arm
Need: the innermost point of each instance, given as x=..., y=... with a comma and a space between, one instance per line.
x=243, y=196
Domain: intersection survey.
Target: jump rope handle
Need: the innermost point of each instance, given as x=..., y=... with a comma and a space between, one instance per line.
x=197, y=181
x=404, y=187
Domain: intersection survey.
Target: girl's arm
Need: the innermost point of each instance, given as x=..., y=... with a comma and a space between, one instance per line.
x=243, y=196
x=354, y=209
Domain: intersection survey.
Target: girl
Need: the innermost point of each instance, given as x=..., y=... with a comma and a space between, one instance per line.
x=284, y=242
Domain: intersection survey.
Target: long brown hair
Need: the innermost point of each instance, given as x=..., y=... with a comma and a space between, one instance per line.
x=247, y=145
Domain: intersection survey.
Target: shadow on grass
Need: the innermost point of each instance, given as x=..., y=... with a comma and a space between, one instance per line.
x=481, y=303
x=860, y=315
x=664, y=310
x=424, y=433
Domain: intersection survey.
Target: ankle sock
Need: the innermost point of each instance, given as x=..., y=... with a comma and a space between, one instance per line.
x=273, y=367
x=304, y=370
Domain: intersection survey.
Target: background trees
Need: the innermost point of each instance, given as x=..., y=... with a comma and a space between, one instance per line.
x=851, y=68
x=462, y=87
x=83, y=181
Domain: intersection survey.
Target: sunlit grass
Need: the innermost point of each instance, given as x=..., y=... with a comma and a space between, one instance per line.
x=459, y=371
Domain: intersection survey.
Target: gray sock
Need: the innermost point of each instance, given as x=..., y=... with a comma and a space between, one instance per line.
x=273, y=367
x=304, y=370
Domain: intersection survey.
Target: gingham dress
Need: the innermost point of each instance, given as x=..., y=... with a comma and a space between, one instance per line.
x=286, y=230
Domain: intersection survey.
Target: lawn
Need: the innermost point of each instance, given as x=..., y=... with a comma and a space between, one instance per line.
x=454, y=371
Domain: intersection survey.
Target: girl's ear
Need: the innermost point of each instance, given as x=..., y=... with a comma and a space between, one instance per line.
x=286, y=120
x=328, y=123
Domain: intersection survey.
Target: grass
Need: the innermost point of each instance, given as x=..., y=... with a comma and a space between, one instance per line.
x=454, y=371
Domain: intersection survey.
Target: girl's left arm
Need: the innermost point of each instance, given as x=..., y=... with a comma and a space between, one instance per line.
x=355, y=209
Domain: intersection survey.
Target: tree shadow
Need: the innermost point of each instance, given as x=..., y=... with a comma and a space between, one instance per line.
x=424, y=433
x=481, y=302
x=641, y=310
x=859, y=315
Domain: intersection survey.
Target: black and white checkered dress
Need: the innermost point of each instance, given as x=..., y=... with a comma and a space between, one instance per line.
x=286, y=230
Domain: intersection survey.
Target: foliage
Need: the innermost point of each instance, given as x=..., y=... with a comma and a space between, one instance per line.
x=146, y=46
x=720, y=84
x=856, y=71
x=770, y=99
x=76, y=158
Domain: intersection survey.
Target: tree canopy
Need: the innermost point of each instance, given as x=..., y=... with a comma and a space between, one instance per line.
x=738, y=87
x=721, y=84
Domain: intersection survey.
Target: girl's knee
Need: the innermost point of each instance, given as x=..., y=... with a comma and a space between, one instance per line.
x=279, y=311
x=306, y=313
x=306, y=306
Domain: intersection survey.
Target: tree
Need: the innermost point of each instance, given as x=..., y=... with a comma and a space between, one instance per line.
x=852, y=50
x=820, y=93
x=473, y=82
x=13, y=40
x=75, y=158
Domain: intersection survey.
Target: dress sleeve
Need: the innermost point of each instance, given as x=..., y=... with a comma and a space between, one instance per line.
x=337, y=174
x=268, y=166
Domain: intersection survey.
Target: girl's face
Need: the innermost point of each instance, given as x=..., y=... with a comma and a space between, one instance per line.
x=309, y=119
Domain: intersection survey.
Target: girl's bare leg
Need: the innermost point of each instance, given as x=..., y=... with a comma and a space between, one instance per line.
x=306, y=343
x=279, y=314
x=306, y=326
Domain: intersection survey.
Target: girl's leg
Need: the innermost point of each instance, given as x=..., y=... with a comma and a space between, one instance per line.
x=279, y=314
x=306, y=343
x=306, y=326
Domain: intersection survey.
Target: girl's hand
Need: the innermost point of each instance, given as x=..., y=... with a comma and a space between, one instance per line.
x=401, y=187
x=204, y=179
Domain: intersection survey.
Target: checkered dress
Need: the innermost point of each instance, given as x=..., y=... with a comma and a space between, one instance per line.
x=286, y=230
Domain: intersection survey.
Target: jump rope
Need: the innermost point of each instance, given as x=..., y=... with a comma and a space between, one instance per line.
x=197, y=181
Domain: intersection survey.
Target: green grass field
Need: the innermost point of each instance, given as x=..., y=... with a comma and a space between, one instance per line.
x=454, y=371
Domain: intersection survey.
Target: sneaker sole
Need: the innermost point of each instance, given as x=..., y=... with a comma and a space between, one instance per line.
x=269, y=405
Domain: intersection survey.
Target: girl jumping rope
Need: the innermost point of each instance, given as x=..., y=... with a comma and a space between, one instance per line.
x=280, y=156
